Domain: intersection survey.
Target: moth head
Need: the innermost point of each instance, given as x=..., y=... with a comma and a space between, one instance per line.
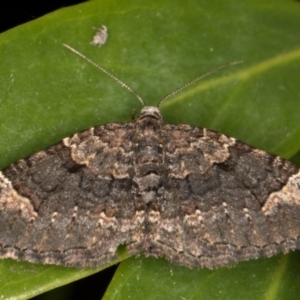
x=150, y=111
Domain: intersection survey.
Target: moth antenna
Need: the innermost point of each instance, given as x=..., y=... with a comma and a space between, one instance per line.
x=123, y=84
x=197, y=79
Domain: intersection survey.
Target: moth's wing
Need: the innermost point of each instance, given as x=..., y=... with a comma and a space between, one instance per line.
x=234, y=202
x=70, y=204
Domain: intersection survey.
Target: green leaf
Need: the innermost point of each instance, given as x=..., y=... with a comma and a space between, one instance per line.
x=48, y=93
x=23, y=280
x=273, y=278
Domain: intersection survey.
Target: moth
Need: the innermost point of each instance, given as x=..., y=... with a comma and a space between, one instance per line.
x=194, y=196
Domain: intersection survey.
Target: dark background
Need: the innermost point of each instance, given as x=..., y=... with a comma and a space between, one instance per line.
x=12, y=14
x=17, y=12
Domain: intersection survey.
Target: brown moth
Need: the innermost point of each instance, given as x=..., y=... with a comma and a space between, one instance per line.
x=191, y=195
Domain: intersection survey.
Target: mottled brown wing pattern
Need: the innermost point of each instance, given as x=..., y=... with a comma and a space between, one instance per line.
x=234, y=202
x=196, y=197
x=60, y=205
